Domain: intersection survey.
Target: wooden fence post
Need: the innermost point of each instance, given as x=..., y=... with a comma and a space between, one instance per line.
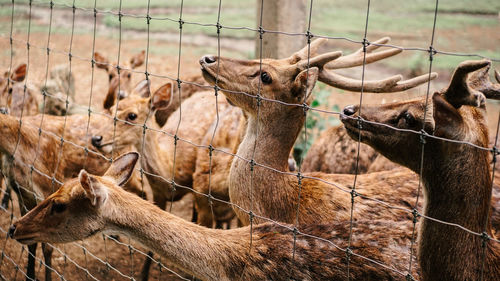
x=281, y=15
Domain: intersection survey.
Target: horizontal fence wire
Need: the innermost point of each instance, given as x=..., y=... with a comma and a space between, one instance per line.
x=90, y=256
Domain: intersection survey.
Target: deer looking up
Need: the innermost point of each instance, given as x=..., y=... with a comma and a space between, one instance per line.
x=90, y=204
x=275, y=127
x=456, y=175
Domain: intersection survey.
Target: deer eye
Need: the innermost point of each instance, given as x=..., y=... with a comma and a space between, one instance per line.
x=58, y=208
x=132, y=116
x=266, y=78
x=110, y=76
x=129, y=75
x=409, y=119
x=10, y=90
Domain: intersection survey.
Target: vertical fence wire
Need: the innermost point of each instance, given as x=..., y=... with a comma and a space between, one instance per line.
x=422, y=141
x=251, y=162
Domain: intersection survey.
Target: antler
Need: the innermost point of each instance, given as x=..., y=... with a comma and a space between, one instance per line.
x=333, y=60
x=480, y=81
x=356, y=58
x=465, y=90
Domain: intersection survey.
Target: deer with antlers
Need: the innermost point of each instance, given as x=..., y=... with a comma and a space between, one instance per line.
x=276, y=126
x=456, y=174
x=90, y=204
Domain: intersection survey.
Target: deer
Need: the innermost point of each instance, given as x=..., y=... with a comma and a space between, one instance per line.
x=13, y=98
x=90, y=204
x=456, y=176
x=120, y=86
x=212, y=168
x=40, y=144
x=335, y=152
x=120, y=78
x=157, y=144
x=59, y=88
x=291, y=82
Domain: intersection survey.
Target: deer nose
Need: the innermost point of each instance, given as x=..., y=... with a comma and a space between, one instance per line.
x=12, y=229
x=122, y=94
x=4, y=110
x=349, y=110
x=207, y=59
x=96, y=141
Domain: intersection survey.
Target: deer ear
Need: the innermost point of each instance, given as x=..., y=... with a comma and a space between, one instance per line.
x=110, y=98
x=447, y=119
x=138, y=59
x=94, y=189
x=101, y=61
x=19, y=73
x=122, y=168
x=162, y=97
x=304, y=83
x=143, y=88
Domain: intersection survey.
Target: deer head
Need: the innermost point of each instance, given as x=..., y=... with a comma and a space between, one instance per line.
x=119, y=80
x=77, y=210
x=457, y=112
x=9, y=86
x=291, y=80
x=132, y=113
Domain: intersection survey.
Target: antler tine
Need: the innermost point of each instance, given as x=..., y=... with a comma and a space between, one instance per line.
x=319, y=60
x=356, y=58
x=310, y=50
x=480, y=81
x=388, y=85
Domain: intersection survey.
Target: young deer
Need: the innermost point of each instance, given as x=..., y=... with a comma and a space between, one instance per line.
x=120, y=86
x=158, y=147
x=456, y=175
x=42, y=149
x=13, y=98
x=275, y=127
x=120, y=79
x=59, y=87
x=90, y=204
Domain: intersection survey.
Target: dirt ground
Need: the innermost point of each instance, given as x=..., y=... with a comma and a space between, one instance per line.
x=86, y=260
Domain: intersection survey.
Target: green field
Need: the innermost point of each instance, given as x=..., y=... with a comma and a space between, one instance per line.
x=462, y=26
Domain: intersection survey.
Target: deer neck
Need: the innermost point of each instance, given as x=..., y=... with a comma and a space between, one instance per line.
x=268, y=141
x=459, y=194
x=206, y=253
x=265, y=191
x=149, y=147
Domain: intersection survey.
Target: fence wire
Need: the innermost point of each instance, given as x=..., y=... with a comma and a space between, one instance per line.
x=11, y=266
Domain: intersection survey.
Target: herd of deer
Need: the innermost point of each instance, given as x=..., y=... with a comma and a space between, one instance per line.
x=242, y=156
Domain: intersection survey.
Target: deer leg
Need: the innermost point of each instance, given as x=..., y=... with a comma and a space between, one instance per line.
x=6, y=196
x=47, y=256
x=194, y=217
x=146, y=266
x=30, y=268
x=162, y=203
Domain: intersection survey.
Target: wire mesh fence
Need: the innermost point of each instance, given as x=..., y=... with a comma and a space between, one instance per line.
x=44, y=33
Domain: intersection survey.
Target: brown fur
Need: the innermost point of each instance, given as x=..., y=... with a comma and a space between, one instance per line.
x=212, y=173
x=92, y=204
x=198, y=112
x=119, y=80
x=13, y=96
x=457, y=178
